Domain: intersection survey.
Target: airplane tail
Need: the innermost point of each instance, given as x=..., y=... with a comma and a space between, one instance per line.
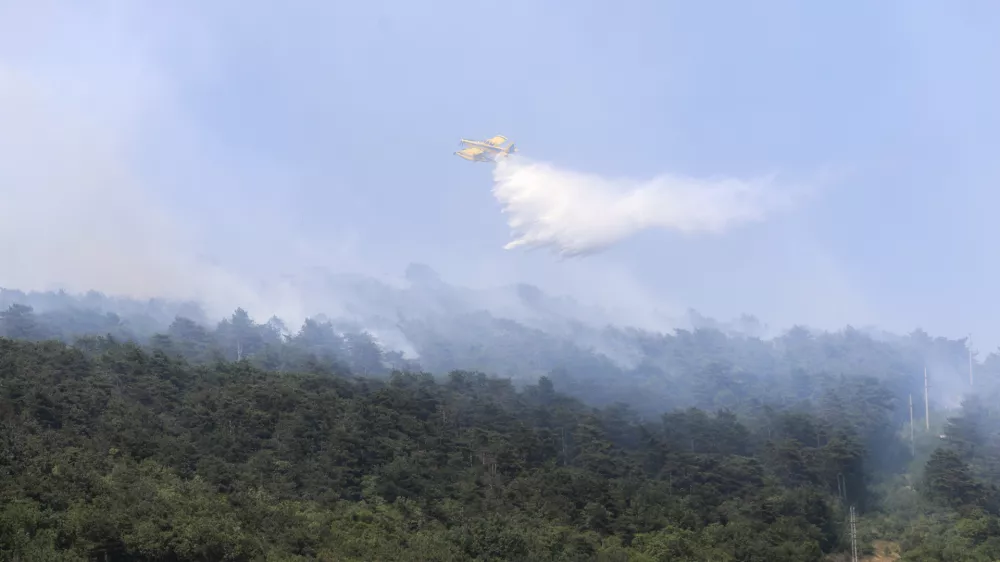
x=511, y=149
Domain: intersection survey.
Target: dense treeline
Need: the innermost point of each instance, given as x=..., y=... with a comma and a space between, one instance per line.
x=247, y=441
x=960, y=479
x=114, y=452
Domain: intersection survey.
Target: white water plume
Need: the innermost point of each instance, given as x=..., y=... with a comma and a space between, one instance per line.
x=576, y=213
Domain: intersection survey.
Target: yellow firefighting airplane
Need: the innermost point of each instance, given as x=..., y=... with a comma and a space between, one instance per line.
x=486, y=151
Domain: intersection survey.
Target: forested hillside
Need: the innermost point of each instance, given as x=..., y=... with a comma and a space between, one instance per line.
x=148, y=433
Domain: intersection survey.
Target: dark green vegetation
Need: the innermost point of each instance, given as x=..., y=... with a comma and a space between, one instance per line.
x=238, y=442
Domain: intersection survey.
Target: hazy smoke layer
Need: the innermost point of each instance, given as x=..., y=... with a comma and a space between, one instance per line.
x=575, y=213
x=74, y=214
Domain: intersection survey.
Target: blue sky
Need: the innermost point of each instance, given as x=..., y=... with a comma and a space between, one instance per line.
x=328, y=127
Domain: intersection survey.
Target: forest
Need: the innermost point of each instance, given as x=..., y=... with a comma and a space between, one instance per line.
x=136, y=430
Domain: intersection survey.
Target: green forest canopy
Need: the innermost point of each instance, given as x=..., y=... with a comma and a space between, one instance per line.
x=243, y=441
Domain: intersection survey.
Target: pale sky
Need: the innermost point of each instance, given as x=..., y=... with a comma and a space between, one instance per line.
x=320, y=134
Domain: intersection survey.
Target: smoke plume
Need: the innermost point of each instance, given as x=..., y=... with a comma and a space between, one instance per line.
x=575, y=214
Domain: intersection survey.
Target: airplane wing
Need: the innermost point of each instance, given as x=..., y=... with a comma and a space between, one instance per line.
x=496, y=141
x=470, y=152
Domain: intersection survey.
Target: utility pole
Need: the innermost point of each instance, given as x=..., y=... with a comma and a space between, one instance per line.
x=854, y=537
x=911, y=426
x=927, y=404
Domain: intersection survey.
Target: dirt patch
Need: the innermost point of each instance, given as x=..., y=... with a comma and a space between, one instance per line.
x=885, y=551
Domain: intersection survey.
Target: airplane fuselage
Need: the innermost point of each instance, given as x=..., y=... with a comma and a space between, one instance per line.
x=483, y=145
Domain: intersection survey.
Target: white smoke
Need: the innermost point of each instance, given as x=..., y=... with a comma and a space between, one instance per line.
x=575, y=213
x=76, y=214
